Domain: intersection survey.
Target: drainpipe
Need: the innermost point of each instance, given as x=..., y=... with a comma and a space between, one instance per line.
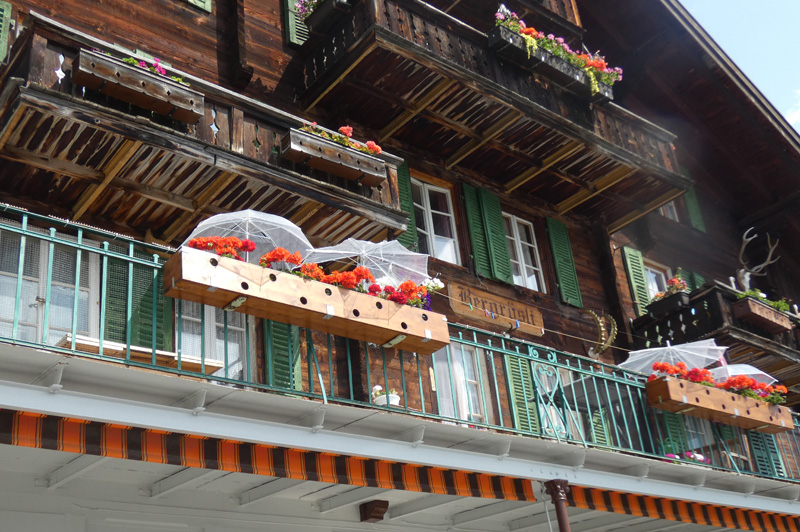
x=557, y=489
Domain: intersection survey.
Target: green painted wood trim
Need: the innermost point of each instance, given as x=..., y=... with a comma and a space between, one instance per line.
x=564, y=263
x=765, y=453
x=694, y=280
x=496, y=236
x=205, y=5
x=522, y=394
x=410, y=238
x=294, y=26
x=634, y=267
x=5, y=27
x=692, y=204
x=477, y=232
x=286, y=356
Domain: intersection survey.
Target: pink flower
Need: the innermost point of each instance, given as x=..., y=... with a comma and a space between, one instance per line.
x=347, y=131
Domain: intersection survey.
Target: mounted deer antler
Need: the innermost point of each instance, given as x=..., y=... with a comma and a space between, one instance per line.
x=743, y=274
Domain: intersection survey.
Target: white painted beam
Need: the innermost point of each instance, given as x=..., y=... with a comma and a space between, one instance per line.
x=184, y=479
x=25, y=397
x=70, y=471
x=265, y=490
x=484, y=512
x=420, y=504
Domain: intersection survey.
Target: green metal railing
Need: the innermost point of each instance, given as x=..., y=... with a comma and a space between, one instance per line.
x=83, y=291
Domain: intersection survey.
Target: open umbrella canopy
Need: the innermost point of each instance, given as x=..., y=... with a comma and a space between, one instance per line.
x=694, y=354
x=723, y=372
x=267, y=231
x=389, y=261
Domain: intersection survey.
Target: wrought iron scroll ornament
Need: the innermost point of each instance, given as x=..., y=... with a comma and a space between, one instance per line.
x=606, y=333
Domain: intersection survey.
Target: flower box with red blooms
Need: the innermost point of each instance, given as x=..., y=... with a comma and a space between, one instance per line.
x=582, y=73
x=347, y=304
x=335, y=153
x=136, y=83
x=739, y=401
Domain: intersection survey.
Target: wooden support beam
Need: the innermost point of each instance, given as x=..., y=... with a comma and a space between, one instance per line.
x=563, y=152
x=341, y=74
x=305, y=212
x=208, y=195
x=416, y=107
x=605, y=182
x=124, y=154
x=50, y=164
x=650, y=207
x=490, y=134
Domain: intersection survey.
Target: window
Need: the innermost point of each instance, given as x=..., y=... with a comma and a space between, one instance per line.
x=436, y=227
x=656, y=277
x=523, y=253
x=41, y=304
x=205, y=5
x=461, y=383
x=669, y=211
x=206, y=331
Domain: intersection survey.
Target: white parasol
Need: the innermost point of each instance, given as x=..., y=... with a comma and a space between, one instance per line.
x=723, y=372
x=694, y=354
x=389, y=261
x=267, y=231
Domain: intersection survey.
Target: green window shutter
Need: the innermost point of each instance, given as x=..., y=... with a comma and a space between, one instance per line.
x=634, y=267
x=205, y=5
x=675, y=440
x=766, y=457
x=116, y=296
x=694, y=280
x=285, y=346
x=601, y=430
x=487, y=234
x=5, y=26
x=693, y=210
x=564, y=263
x=522, y=394
x=295, y=27
x=409, y=239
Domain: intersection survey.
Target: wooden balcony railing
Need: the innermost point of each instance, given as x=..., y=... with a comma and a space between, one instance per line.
x=453, y=49
x=87, y=293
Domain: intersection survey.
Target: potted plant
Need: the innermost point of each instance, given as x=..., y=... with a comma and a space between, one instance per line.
x=754, y=307
x=739, y=400
x=585, y=74
x=346, y=303
x=322, y=15
x=379, y=396
x=336, y=153
x=141, y=84
x=675, y=297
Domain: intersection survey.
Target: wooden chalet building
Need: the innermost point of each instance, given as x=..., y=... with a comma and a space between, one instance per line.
x=552, y=211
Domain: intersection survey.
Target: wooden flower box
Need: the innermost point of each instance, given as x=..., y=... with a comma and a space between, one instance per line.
x=693, y=399
x=668, y=304
x=327, y=15
x=328, y=156
x=137, y=86
x=202, y=277
x=511, y=46
x=762, y=315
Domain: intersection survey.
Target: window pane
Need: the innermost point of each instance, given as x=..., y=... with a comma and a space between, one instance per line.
x=442, y=225
x=446, y=249
x=9, y=254
x=439, y=201
x=416, y=193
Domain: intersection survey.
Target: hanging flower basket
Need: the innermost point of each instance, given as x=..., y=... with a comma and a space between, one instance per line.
x=326, y=15
x=762, y=315
x=669, y=304
x=332, y=157
x=394, y=400
x=222, y=282
x=696, y=400
x=511, y=45
x=137, y=86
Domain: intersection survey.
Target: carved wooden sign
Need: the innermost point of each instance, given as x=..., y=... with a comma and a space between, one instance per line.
x=495, y=310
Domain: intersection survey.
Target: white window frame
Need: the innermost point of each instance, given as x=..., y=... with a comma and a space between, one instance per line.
x=449, y=376
x=669, y=211
x=515, y=240
x=92, y=290
x=428, y=212
x=655, y=272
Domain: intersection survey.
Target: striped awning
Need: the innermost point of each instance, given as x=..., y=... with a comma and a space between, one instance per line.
x=680, y=510
x=40, y=431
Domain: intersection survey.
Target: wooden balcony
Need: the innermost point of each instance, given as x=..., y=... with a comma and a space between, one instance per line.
x=94, y=139
x=427, y=81
x=711, y=313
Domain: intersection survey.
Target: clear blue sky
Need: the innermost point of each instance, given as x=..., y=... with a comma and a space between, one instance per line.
x=763, y=39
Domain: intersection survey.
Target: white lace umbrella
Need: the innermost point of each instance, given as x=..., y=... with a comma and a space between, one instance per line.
x=267, y=231
x=389, y=261
x=694, y=354
x=723, y=372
